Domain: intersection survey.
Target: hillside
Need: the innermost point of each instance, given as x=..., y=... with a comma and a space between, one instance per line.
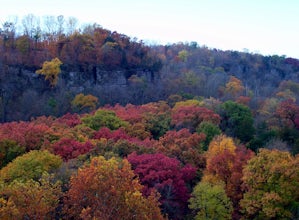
x=117, y=69
x=96, y=125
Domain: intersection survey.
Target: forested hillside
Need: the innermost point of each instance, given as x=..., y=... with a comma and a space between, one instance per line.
x=96, y=125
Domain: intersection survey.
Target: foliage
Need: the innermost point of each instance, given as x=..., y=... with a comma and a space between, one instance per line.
x=30, y=199
x=271, y=180
x=237, y=121
x=27, y=134
x=191, y=116
x=210, y=130
x=9, y=150
x=227, y=167
x=210, y=202
x=103, y=118
x=157, y=171
x=108, y=189
x=234, y=86
x=51, y=70
x=30, y=166
x=183, y=145
x=83, y=102
x=68, y=148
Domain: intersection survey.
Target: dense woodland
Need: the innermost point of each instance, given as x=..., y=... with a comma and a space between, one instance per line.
x=96, y=125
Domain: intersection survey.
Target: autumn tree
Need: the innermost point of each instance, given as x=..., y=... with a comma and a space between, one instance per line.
x=183, y=145
x=83, y=102
x=30, y=199
x=69, y=148
x=234, y=87
x=210, y=130
x=271, y=180
x=191, y=116
x=30, y=166
x=51, y=70
x=226, y=166
x=168, y=177
x=108, y=189
x=210, y=202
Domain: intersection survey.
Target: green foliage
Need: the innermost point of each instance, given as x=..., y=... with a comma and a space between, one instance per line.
x=103, y=118
x=210, y=202
x=237, y=121
x=9, y=150
x=30, y=166
x=210, y=130
x=51, y=70
x=183, y=55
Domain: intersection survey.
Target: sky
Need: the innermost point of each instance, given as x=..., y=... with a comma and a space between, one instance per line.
x=267, y=27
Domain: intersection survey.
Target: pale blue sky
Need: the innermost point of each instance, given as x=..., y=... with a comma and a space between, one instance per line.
x=264, y=26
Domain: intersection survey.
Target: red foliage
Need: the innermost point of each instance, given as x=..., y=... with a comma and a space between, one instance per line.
x=157, y=171
x=26, y=134
x=191, y=116
x=69, y=148
x=116, y=135
x=288, y=112
x=70, y=120
x=183, y=145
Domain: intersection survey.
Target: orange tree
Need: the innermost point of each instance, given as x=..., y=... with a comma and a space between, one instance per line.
x=108, y=189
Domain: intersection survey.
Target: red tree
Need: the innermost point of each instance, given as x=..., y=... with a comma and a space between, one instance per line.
x=157, y=171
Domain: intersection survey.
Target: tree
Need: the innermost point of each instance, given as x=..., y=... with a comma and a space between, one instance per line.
x=30, y=166
x=103, y=118
x=30, y=199
x=9, y=150
x=183, y=145
x=234, y=86
x=271, y=179
x=227, y=167
x=51, y=70
x=164, y=174
x=210, y=130
x=191, y=116
x=210, y=202
x=108, y=189
x=69, y=148
x=83, y=102
x=237, y=121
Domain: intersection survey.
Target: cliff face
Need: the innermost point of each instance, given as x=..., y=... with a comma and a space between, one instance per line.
x=25, y=94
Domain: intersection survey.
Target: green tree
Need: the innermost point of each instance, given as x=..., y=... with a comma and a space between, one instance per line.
x=51, y=70
x=103, y=118
x=210, y=202
x=9, y=150
x=237, y=121
x=210, y=130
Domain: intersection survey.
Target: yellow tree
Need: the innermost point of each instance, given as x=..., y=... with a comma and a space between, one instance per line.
x=234, y=86
x=271, y=180
x=30, y=199
x=51, y=70
x=84, y=102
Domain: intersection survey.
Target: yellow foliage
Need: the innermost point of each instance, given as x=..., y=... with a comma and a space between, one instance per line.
x=82, y=101
x=234, y=86
x=51, y=70
x=219, y=144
